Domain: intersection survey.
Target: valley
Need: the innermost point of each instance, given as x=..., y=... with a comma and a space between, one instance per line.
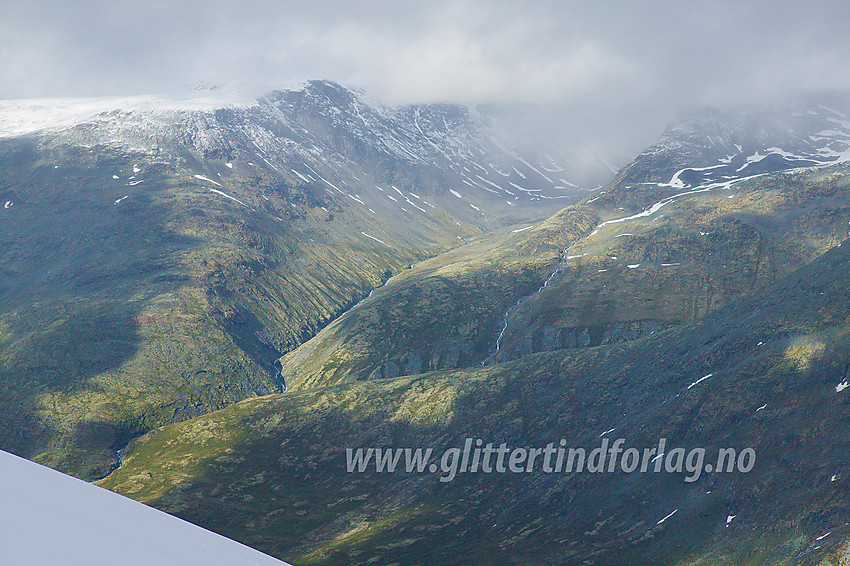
x=268, y=285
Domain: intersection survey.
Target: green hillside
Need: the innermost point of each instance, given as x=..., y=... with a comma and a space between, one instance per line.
x=270, y=472
x=128, y=304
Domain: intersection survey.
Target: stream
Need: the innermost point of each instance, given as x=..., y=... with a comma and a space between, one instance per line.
x=564, y=262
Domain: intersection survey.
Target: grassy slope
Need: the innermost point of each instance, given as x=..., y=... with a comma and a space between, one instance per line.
x=270, y=471
x=443, y=313
x=693, y=255
x=116, y=318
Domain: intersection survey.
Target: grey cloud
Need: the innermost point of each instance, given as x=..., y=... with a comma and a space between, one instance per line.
x=618, y=68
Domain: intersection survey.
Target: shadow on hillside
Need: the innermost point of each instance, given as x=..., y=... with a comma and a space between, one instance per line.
x=284, y=488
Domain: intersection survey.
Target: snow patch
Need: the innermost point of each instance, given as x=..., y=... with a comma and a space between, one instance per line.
x=700, y=380
x=754, y=158
x=202, y=178
x=300, y=176
x=677, y=183
x=23, y=116
x=228, y=196
x=667, y=517
x=783, y=153
x=376, y=239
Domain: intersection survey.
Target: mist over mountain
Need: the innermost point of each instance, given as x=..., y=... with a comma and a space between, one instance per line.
x=180, y=247
x=620, y=69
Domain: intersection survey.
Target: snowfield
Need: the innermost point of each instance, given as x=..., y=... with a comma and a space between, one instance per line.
x=49, y=518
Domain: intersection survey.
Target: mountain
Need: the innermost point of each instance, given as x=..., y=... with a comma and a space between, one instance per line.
x=706, y=146
x=705, y=307
x=157, y=256
x=764, y=372
x=595, y=274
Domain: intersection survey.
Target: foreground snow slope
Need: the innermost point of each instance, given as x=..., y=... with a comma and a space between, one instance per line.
x=49, y=518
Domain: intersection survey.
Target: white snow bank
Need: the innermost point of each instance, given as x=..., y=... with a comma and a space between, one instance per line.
x=667, y=517
x=700, y=380
x=23, y=116
x=202, y=178
x=376, y=239
x=51, y=518
x=230, y=197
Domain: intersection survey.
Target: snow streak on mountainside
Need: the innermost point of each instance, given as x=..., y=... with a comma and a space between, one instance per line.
x=711, y=146
x=322, y=133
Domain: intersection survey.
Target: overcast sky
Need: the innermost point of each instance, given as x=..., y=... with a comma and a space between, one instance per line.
x=626, y=63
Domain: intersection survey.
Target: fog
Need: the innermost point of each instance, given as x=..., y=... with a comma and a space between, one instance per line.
x=617, y=71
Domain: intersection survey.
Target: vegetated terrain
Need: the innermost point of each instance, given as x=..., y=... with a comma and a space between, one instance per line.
x=736, y=339
x=605, y=281
x=443, y=313
x=155, y=263
x=700, y=297
x=271, y=472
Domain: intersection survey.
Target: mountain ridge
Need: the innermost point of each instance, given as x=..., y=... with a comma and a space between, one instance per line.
x=157, y=261
x=699, y=297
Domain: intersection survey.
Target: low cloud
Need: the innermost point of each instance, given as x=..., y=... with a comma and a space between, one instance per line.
x=620, y=66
